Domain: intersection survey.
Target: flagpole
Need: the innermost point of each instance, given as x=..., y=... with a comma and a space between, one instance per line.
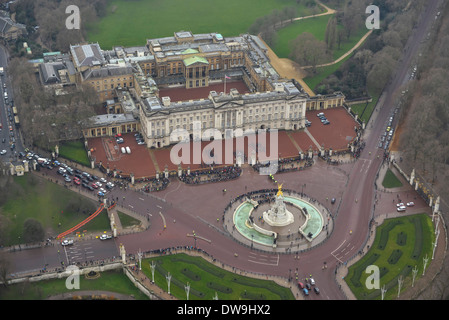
x=225, y=85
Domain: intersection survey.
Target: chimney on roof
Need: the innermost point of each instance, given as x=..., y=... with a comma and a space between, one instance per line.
x=279, y=87
x=166, y=101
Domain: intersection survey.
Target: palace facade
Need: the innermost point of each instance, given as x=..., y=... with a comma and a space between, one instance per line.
x=129, y=83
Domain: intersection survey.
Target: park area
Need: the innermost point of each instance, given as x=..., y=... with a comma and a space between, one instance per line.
x=155, y=19
x=56, y=209
x=111, y=285
x=207, y=280
x=401, y=244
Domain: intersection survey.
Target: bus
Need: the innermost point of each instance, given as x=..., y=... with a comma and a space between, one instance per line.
x=16, y=121
x=14, y=110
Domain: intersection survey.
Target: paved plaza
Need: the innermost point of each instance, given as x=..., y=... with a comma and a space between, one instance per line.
x=144, y=162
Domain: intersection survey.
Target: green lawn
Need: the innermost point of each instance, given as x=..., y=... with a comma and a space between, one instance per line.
x=322, y=73
x=113, y=281
x=364, y=111
x=348, y=44
x=54, y=206
x=315, y=26
x=207, y=279
x=399, y=246
x=75, y=151
x=390, y=180
x=127, y=221
x=161, y=18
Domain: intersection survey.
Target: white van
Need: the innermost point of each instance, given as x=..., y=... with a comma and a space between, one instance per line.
x=123, y=150
x=128, y=150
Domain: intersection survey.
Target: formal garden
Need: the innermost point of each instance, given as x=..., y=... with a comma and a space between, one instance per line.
x=401, y=245
x=208, y=281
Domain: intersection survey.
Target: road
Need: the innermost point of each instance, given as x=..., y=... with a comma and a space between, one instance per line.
x=347, y=239
x=10, y=140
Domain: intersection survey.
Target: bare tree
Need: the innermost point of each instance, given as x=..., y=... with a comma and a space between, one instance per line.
x=308, y=51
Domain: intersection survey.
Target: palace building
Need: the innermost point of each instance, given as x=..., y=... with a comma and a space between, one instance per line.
x=184, y=80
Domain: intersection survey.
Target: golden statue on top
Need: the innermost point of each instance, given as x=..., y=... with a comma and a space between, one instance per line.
x=280, y=193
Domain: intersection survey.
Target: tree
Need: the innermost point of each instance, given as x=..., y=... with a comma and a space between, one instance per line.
x=5, y=267
x=330, y=36
x=308, y=50
x=33, y=231
x=381, y=68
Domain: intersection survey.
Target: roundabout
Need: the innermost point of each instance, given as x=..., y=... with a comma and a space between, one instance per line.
x=274, y=222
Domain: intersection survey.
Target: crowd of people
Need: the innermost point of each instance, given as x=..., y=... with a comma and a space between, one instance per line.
x=211, y=175
x=156, y=184
x=287, y=164
x=359, y=146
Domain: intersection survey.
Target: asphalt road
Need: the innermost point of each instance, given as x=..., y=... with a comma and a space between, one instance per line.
x=10, y=140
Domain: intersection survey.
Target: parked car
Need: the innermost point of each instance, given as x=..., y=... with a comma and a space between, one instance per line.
x=317, y=291
x=402, y=208
x=410, y=204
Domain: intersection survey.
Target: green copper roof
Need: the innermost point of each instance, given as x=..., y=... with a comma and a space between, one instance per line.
x=190, y=50
x=195, y=59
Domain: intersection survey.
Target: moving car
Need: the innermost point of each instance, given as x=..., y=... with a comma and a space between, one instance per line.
x=67, y=242
x=3, y=152
x=105, y=237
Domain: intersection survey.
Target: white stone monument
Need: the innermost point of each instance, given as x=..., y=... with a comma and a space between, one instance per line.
x=278, y=215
